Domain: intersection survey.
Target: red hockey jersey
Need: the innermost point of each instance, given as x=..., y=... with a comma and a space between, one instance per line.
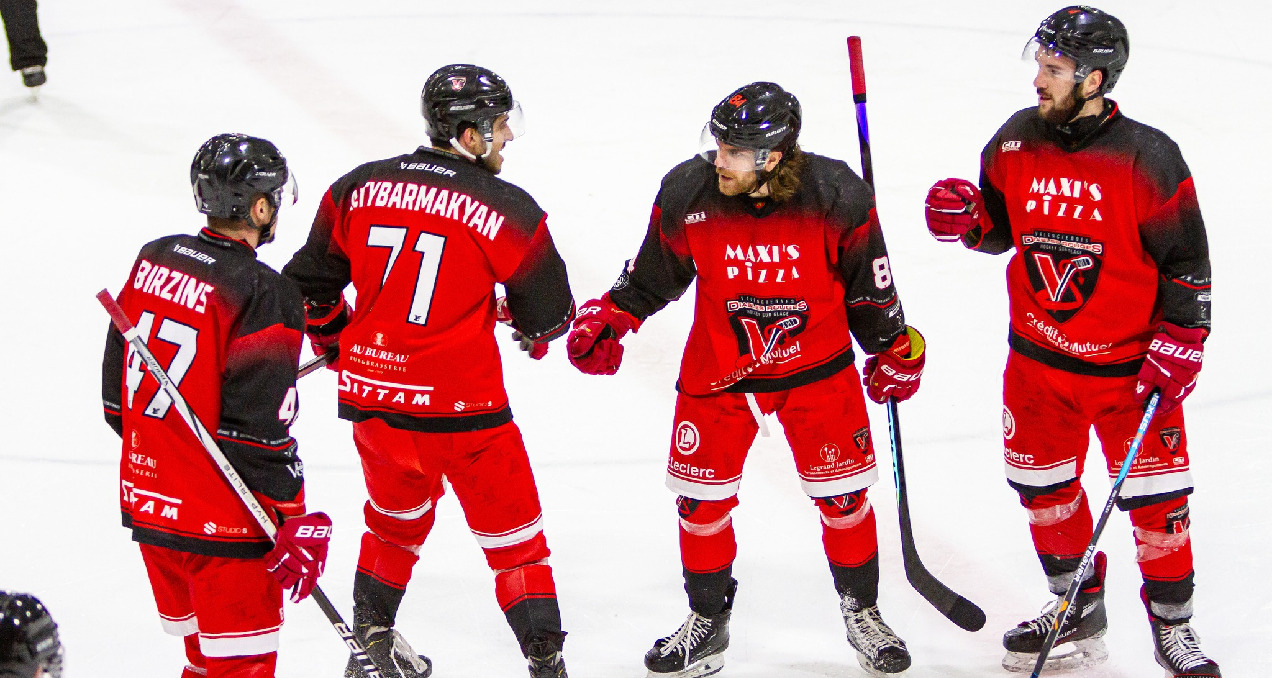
x=785, y=285
x=1108, y=239
x=423, y=238
x=228, y=330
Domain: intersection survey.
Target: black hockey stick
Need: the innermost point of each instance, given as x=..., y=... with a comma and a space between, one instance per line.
x=1066, y=605
x=318, y=362
x=254, y=507
x=963, y=612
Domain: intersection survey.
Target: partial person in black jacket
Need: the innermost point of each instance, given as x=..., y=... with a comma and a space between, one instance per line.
x=27, y=51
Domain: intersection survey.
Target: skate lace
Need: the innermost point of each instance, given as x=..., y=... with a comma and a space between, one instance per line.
x=869, y=628
x=1181, y=646
x=695, y=628
x=1042, y=624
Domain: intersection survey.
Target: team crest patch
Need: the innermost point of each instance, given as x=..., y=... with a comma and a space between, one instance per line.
x=1171, y=438
x=457, y=83
x=862, y=438
x=1063, y=270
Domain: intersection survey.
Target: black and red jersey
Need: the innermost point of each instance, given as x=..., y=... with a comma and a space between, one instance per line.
x=228, y=330
x=1108, y=239
x=424, y=238
x=785, y=285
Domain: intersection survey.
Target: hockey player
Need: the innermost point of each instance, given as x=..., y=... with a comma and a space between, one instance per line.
x=229, y=329
x=424, y=237
x=28, y=54
x=29, y=643
x=1110, y=299
x=790, y=264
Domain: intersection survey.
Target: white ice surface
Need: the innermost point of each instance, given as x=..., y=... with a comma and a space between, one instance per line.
x=615, y=94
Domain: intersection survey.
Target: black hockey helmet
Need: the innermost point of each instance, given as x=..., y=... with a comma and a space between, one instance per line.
x=230, y=169
x=760, y=116
x=29, y=641
x=464, y=94
x=1094, y=39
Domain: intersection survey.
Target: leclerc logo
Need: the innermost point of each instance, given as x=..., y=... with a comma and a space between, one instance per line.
x=686, y=438
x=1011, y=146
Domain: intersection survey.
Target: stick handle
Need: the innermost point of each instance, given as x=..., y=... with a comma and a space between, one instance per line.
x=858, y=70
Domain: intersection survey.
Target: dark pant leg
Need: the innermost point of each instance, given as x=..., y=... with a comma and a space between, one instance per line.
x=26, y=47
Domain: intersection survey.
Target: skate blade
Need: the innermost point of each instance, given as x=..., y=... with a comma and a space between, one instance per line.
x=864, y=663
x=1083, y=654
x=708, y=666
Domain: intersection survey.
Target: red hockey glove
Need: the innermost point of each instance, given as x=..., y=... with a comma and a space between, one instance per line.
x=593, y=343
x=300, y=553
x=954, y=207
x=535, y=349
x=895, y=373
x=1172, y=364
x=323, y=324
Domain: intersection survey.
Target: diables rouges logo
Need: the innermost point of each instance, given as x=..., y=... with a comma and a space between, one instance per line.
x=1063, y=270
x=764, y=327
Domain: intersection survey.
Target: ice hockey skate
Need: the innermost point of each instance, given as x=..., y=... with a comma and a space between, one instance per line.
x=696, y=649
x=1178, y=649
x=1079, y=644
x=544, y=656
x=33, y=76
x=391, y=654
x=879, y=651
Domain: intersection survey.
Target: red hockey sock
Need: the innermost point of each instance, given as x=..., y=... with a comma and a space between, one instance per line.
x=251, y=666
x=848, y=529
x=1060, y=523
x=198, y=666
x=385, y=562
x=1163, y=549
x=707, y=542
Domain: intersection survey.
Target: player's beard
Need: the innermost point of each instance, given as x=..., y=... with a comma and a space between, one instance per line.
x=492, y=161
x=735, y=183
x=1062, y=110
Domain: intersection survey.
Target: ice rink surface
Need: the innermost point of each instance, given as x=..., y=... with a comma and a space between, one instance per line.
x=615, y=94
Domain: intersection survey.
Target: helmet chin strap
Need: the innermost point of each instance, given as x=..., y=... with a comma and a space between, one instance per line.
x=459, y=148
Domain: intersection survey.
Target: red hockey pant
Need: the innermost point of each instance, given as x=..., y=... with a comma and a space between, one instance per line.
x=229, y=611
x=829, y=434
x=1047, y=417
x=490, y=474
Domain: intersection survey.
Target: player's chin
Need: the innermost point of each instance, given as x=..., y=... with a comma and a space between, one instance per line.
x=729, y=185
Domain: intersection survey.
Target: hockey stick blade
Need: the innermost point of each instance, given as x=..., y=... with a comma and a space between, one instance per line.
x=959, y=610
x=962, y=612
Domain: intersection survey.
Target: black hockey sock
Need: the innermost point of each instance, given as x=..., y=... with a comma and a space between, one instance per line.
x=535, y=619
x=860, y=582
x=374, y=602
x=710, y=593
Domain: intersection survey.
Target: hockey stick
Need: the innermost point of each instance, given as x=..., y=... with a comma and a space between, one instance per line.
x=134, y=339
x=1072, y=593
x=317, y=362
x=963, y=612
